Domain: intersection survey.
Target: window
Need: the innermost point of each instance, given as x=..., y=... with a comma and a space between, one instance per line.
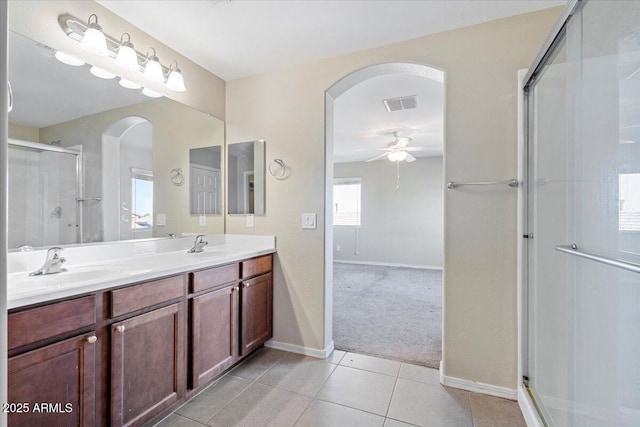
x=629, y=202
x=141, y=199
x=346, y=201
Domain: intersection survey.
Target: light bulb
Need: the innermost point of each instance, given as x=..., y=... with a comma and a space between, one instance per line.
x=65, y=58
x=153, y=69
x=94, y=40
x=129, y=84
x=151, y=93
x=127, y=57
x=397, y=156
x=103, y=74
x=175, y=81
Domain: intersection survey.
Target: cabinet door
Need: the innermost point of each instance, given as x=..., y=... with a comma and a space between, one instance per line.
x=214, y=334
x=53, y=385
x=256, y=311
x=147, y=365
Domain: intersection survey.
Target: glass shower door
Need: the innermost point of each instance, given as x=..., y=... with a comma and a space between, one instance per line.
x=583, y=334
x=43, y=191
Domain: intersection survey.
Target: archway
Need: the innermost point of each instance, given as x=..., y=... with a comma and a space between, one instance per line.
x=331, y=96
x=127, y=164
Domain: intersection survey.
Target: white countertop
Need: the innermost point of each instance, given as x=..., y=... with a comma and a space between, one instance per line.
x=100, y=266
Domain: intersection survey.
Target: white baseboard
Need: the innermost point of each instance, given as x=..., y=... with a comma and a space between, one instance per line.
x=307, y=351
x=476, y=387
x=389, y=264
x=528, y=409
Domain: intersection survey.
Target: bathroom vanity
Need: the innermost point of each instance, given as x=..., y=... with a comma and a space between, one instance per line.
x=126, y=346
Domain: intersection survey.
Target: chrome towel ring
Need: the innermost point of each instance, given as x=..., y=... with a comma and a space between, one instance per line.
x=278, y=169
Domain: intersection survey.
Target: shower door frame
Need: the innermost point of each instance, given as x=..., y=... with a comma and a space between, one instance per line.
x=79, y=175
x=528, y=406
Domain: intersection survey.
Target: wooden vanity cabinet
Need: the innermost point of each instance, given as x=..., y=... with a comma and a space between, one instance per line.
x=52, y=364
x=147, y=351
x=127, y=356
x=256, y=312
x=53, y=385
x=256, y=303
x=213, y=334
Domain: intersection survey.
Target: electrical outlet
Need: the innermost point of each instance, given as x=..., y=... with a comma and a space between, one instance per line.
x=308, y=221
x=161, y=220
x=250, y=221
x=203, y=220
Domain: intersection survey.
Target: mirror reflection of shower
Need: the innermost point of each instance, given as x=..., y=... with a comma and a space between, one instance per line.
x=127, y=179
x=44, y=186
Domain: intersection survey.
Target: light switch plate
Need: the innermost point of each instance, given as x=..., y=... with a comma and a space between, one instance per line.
x=161, y=220
x=250, y=221
x=308, y=221
x=203, y=220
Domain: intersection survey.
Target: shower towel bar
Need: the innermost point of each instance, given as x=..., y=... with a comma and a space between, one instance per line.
x=511, y=183
x=573, y=250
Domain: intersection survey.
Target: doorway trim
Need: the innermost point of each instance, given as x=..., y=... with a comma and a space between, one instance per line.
x=330, y=95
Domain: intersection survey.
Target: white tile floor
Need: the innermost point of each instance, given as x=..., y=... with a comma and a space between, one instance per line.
x=275, y=388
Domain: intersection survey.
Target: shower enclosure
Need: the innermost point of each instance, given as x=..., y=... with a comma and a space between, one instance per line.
x=44, y=195
x=581, y=317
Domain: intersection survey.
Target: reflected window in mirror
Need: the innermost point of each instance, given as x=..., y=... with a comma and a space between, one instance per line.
x=245, y=179
x=141, y=201
x=204, y=180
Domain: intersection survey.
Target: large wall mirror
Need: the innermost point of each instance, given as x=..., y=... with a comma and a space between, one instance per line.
x=245, y=180
x=92, y=161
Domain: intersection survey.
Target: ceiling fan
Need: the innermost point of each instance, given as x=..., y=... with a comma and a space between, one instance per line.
x=397, y=150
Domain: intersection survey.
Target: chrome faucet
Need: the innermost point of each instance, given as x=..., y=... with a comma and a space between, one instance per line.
x=53, y=263
x=198, y=245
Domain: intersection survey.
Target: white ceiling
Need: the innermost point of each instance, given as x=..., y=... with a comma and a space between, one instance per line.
x=363, y=127
x=48, y=92
x=239, y=38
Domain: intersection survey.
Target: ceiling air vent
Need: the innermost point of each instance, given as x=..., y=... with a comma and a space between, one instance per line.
x=402, y=103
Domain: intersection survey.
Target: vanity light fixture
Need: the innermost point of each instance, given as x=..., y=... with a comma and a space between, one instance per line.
x=127, y=56
x=150, y=93
x=153, y=69
x=94, y=40
x=65, y=58
x=175, y=81
x=103, y=74
x=397, y=156
x=129, y=84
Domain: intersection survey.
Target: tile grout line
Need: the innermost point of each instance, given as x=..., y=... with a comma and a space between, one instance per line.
x=392, y=393
x=251, y=382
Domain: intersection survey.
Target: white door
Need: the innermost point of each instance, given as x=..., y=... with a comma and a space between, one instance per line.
x=205, y=190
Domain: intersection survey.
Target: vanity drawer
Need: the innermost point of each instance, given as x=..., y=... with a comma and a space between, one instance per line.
x=133, y=298
x=256, y=266
x=212, y=277
x=29, y=326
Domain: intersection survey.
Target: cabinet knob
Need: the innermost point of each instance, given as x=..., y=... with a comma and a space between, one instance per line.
x=120, y=328
x=92, y=339
x=235, y=289
x=247, y=284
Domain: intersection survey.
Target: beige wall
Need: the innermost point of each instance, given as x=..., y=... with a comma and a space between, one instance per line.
x=38, y=20
x=286, y=108
x=25, y=133
x=399, y=225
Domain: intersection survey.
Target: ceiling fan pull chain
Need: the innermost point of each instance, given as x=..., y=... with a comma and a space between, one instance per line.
x=397, y=175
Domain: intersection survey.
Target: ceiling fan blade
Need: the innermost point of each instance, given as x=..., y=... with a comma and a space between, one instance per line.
x=378, y=157
x=416, y=149
x=410, y=158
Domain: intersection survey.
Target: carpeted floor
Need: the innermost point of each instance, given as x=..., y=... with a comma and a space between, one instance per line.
x=391, y=312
